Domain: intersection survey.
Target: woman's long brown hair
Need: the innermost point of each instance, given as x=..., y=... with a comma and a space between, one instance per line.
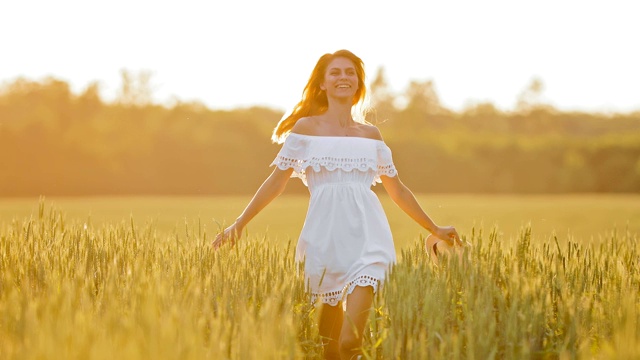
x=314, y=100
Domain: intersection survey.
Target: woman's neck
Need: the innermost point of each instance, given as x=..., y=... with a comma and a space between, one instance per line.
x=340, y=113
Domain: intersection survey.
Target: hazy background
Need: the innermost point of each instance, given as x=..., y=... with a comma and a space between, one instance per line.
x=245, y=53
x=143, y=97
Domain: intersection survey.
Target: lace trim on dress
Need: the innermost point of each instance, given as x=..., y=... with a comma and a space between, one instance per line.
x=331, y=164
x=387, y=170
x=333, y=297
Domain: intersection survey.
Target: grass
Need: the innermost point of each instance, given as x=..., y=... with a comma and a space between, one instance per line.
x=125, y=278
x=585, y=217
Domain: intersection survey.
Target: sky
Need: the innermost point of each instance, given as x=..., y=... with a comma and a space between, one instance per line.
x=239, y=53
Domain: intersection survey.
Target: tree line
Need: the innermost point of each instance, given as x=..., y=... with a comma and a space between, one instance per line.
x=56, y=142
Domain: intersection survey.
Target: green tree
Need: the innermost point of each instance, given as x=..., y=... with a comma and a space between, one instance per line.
x=136, y=89
x=423, y=108
x=531, y=98
x=382, y=99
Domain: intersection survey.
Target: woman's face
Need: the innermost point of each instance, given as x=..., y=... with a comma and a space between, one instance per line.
x=340, y=79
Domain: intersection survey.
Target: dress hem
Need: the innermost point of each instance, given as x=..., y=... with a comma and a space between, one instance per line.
x=332, y=298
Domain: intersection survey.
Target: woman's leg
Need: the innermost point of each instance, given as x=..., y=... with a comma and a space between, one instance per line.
x=329, y=325
x=359, y=304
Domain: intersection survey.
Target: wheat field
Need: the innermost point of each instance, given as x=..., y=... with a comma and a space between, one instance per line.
x=135, y=278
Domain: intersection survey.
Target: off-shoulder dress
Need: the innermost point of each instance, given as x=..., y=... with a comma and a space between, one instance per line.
x=345, y=240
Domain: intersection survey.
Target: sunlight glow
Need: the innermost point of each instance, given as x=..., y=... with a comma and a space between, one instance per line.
x=243, y=53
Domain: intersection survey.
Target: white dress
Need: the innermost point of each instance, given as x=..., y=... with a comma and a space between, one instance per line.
x=346, y=240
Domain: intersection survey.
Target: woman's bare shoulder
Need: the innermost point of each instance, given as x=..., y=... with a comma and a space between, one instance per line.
x=371, y=132
x=305, y=126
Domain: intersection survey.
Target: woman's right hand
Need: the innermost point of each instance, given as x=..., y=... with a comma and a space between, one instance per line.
x=230, y=234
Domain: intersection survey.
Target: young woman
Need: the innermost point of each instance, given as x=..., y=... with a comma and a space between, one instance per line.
x=346, y=242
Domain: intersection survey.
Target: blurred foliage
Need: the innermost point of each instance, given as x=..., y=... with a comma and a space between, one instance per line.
x=55, y=142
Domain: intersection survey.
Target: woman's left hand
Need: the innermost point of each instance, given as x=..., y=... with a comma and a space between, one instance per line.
x=448, y=234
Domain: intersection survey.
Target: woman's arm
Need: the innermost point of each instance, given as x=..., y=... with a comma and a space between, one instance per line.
x=404, y=198
x=273, y=186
